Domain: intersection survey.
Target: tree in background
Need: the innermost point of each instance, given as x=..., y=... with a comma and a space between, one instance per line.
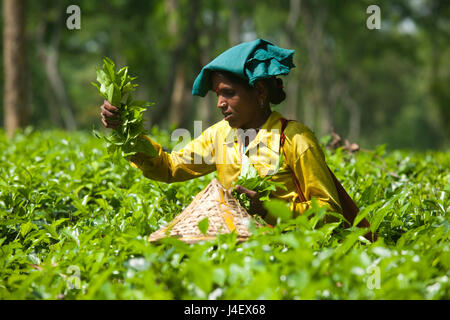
x=47, y=35
x=14, y=63
x=372, y=86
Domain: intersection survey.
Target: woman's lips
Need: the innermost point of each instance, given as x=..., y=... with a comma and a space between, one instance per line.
x=227, y=116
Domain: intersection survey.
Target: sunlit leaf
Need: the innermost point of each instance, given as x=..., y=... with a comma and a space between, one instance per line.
x=203, y=225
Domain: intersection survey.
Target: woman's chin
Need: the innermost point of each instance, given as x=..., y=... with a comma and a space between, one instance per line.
x=231, y=122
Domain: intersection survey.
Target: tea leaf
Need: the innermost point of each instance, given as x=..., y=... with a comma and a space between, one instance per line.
x=279, y=209
x=203, y=225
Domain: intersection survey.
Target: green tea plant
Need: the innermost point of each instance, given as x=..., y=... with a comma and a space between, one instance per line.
x=74, y=224
x=116, y=87
x=250, y=179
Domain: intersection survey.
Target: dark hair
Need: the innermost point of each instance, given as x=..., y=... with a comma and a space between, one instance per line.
x=276, y=93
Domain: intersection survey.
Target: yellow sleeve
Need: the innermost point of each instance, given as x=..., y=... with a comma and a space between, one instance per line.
x=305, y=157
x=315, y=181
x=194, y=160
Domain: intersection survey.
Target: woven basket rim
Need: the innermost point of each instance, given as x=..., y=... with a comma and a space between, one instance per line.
x=194, y=239
x=224, y=213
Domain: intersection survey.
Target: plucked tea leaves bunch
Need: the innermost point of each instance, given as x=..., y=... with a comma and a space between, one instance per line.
x=116, y=87
x=250, y=179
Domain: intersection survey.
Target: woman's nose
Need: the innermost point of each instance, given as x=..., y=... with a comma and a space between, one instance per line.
x=221, y=102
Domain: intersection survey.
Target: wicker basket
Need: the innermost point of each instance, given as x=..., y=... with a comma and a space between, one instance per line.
x=224, y=213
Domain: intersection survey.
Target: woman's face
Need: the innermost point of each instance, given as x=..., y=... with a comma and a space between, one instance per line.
x=238, y=104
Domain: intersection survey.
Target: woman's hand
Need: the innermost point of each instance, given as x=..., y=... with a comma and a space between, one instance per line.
x=110, y=115
x=369, y=236
x=256, y=205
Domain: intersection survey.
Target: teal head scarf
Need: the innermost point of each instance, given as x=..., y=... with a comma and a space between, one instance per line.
x=252, y=60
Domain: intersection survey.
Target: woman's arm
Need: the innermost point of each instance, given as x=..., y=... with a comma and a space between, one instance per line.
x=194, y=160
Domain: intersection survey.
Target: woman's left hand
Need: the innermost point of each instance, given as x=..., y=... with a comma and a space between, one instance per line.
x=256, y=205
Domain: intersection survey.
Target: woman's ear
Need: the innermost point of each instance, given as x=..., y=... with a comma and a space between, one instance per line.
x=262, y=90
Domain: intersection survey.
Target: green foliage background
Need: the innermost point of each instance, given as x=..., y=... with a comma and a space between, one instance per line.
x=397, y=77
x=73, y=225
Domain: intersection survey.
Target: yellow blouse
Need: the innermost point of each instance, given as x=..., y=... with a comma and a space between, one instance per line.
x=219, y=148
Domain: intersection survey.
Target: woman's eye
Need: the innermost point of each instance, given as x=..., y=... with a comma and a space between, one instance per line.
x=228, y=92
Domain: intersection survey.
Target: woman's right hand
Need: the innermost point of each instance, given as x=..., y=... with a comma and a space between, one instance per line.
x=110, y=115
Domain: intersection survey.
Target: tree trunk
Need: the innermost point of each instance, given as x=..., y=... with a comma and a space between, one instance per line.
x=177, y=106
x=207, y=104
x=181, y=97
x=187, y=36
x=323, y=92
x=292, y=86
x=58, y=87
x=14, y=61
x=234, y=25
x=160, y=113
x=330, y=98
x=312, y=104
x=355, y=118
x=60, y=107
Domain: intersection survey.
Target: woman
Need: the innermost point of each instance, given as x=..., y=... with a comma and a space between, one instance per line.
x=245, y=80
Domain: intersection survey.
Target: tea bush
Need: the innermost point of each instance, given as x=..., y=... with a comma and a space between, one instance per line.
x=73, y=225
